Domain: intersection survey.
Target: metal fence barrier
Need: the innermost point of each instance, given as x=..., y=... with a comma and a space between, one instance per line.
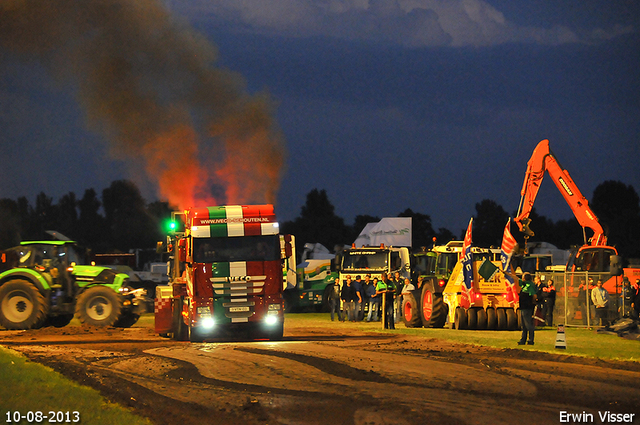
x=573, y=304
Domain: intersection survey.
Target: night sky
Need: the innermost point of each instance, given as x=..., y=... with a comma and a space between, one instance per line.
x=386, y=105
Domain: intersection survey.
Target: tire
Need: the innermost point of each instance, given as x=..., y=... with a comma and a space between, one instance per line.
x=434, y=311
x=512, y=320
x=501, y=316
x=460, y=318
x=519, y=318
x=411, y=315
x=99, y=306
x=59, y=321
x=180, y=329
x=22, y=306
x=482, y=318
x=472, y=319
x=492, y=319
x=127, y=320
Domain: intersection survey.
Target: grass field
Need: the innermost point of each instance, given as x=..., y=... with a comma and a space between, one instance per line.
x=28, y=388
x=579, y=342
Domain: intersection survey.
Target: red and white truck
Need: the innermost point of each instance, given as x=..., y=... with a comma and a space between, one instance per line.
x=225, y=275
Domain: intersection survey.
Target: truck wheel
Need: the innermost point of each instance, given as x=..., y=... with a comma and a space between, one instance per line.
x=492, y=319
x=512, y=320
x=519, y=318
x=460, y=318
x=99, y=306
x=22, y=306
x=472, y=319
x=411, y=316
x=180, y=329
x=482, y=318
x=501, y=319
x=434, y=311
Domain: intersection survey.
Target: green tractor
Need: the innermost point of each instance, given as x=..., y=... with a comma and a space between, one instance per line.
x=42, y=284
x=423, y=303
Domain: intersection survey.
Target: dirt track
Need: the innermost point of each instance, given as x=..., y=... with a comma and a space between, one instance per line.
x=336, y=375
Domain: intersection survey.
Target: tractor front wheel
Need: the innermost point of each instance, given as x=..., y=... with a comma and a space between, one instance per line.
x=99, y=306
x=434, y=310
x=411, y=315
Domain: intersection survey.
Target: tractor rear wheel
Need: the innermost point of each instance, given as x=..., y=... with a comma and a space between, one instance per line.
x=22, y=306
x=99, y=306
x=411, y=315
x=434, y=310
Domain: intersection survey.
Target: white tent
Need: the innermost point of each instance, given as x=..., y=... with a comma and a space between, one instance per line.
x=390, y=231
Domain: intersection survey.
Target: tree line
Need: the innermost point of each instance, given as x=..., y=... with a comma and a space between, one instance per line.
x=615, y=204
x=120, y=219
x=117, y=221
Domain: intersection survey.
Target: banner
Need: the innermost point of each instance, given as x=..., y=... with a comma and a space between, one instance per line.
x=467, y=269
x=506, y=251
x=390, y=231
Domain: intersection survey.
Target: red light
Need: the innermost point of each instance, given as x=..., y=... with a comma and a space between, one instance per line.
x=441, y=283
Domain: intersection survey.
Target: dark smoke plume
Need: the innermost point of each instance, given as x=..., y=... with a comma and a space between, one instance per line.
x=149, y=86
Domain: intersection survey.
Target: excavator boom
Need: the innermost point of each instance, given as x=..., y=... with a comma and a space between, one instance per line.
x=543, y=160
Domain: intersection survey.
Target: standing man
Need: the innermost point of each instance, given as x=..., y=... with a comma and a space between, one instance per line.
x=397, y=302
x=334, y=300
x=635, y=301
x=600, y=299
x=626, y=296
x=348, y=296
x=358, y=284
x=541, y=294
x=527, y=298
x=550, y=303
x=386, y=289
x=374, y=301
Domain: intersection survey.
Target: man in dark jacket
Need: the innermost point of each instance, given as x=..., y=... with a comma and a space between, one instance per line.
x=527, y=299
x=334, y=300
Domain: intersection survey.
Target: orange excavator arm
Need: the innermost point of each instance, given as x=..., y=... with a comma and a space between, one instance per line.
x=543, y=160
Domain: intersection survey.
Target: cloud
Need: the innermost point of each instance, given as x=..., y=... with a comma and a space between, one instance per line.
x=411, y=23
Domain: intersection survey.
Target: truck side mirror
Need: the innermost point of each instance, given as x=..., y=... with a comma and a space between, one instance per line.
x=159, y=247
x=616, y=265
x=182, y=250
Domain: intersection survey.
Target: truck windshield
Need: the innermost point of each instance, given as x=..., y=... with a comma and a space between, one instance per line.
x=245, y=248
x=365, y=260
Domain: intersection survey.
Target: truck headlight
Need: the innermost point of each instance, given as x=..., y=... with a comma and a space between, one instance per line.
x=208, y=322
x=271, y=319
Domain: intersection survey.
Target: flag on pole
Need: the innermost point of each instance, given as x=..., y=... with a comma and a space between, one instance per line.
x=506, y=251
x=467, y=268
